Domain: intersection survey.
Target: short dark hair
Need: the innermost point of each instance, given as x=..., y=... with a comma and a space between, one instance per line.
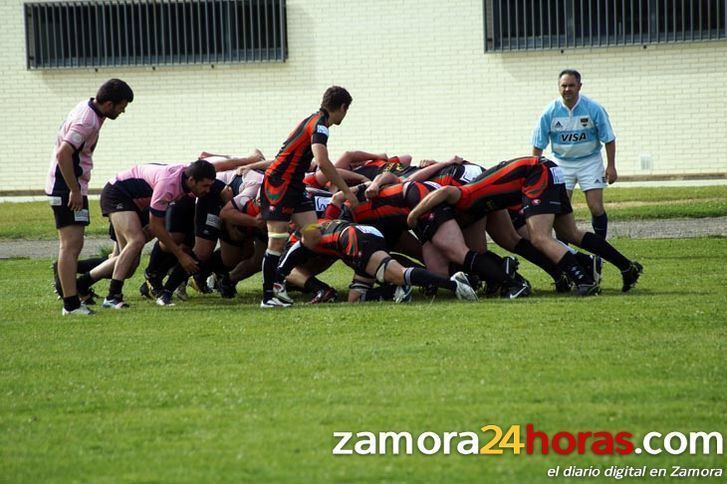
x=114, y=90
x=201, y=170
x=335, y=97
x=570, y=72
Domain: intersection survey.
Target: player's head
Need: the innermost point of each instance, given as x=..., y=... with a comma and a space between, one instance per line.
x=200, y=175
x=569, y=85
x=113, y=96
x=336, y=101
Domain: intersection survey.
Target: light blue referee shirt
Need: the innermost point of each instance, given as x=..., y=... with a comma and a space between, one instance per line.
x=573, y=134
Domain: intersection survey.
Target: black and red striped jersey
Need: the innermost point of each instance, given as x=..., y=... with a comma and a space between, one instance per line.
x=375, y=167
x=504, y=185
x=294, y=158
x=457, y=174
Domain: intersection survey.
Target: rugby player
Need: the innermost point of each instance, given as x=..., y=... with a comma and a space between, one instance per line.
x=283, y=196
x=538, y=184
x=155, y=187
x=363, y=248
x=68, y=177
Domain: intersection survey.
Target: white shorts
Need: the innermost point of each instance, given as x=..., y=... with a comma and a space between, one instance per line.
x=588, y=172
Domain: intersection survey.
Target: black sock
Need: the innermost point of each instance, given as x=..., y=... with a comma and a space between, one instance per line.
x=528, y=252
x=600, y=224
x=88, y=264
x=583, y=259
x=597, y=245
x=116, y=288
x=270, y=270
x=215, y=263
x=421, y=277
x=569, y=264
x=159, y=263
x=380, y=293
x=454, y=268
x=486, y=266
x=176, y=277
x=296, y=255
x=84, y=283
x=313, y=284
x=71, y=303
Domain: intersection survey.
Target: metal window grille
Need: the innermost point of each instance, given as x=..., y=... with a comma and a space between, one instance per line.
x=512, y=25
x=154, y=32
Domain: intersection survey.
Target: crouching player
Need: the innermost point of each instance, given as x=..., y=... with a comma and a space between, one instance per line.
x=538, y=184
x=363, y=248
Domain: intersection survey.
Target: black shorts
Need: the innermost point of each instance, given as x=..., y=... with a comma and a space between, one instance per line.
x=516, y=216
x=361, y=250
x=198, y=217
x=430, y=223
x=115, y=200
x=236, y=185
x=207, y=223
x=65, y=216
x=179, y=219
x=554, y=199
x=279, y=200
x=392, y=231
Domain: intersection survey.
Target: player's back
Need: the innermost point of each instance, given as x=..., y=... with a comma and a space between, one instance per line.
x=295, y=156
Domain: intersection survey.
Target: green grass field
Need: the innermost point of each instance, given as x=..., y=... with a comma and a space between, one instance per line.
x=34, y=220
x=220, y=391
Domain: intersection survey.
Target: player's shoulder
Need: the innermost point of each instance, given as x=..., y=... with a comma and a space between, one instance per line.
x=552, y=108
x=84, y=115
x=590, y=103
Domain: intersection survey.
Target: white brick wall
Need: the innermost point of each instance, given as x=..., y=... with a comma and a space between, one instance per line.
x=420, y=81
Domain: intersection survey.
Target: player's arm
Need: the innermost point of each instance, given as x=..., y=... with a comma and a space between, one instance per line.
x=320, y=153
x=350, y=159
x=65, y=164
x=348, y=176
x=230, y=163
x=541, y=134
x=385, y=178
x=258, y=165
x=611, y=174
x=424, y=174
x=159, y=230
x=231, y=215
x=449, y=195
x=606, y=136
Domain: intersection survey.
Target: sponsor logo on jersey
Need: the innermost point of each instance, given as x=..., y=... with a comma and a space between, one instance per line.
x=573, y=137
x=322, y=129
x=558, y=125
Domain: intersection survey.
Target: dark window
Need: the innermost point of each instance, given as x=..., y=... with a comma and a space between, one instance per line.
x=558, y=24
x=115, y=33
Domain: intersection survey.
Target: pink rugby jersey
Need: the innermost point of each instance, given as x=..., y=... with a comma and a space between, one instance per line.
x=227, y=176
x=154, y=186
x=80, y=130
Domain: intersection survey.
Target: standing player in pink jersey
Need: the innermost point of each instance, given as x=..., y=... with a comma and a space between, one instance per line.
x=151, y=187
x=68, y=177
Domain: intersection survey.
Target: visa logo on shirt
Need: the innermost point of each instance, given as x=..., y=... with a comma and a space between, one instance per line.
x=573, y=137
